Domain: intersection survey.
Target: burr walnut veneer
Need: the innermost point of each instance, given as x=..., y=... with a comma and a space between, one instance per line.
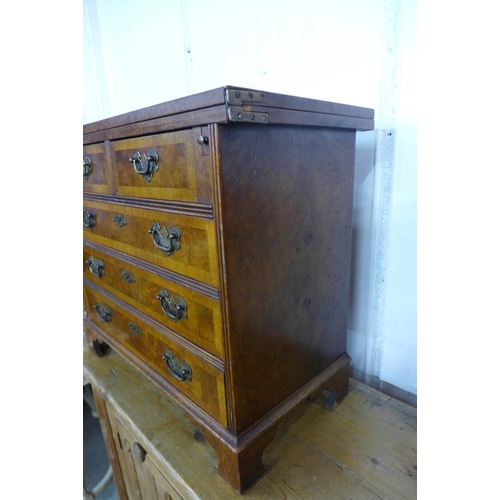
x=217, y=244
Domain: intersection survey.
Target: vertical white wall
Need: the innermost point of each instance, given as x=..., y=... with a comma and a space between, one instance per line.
x=142, y=52
x=400, y=333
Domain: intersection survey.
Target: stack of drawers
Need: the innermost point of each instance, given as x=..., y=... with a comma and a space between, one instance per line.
x=150, y=261
x=217, y=235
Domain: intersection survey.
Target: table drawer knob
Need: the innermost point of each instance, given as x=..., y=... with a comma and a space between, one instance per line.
x=103, y=312
x=165, y=241
x=96, y=266
x=87, y=167
x=174, y=309
x=147, y=165
x=88, y=218
x=179, y=369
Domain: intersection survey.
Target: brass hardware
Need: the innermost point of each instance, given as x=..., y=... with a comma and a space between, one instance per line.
x=202, y=140
x=238, y=97
x=87, y=167
x=127, y=277
x=88, y=218
x=179, y=369
x=103, y=312
x=135, y=328
x=239, y=114
x=96, y=266
x=165, y=241
x=119, y=220
x=175, y=310
x=146, y=166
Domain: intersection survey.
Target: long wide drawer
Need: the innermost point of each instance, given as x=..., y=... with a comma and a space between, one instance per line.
x=197, y=380
x=193, y=315
x=168, y=166
x=180, y=243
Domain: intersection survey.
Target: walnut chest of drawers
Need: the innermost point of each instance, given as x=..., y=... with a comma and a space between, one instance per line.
x=216, y=256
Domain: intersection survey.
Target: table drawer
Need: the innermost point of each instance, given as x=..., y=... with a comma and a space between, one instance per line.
x=189, y=313
x=199, y=381
x=190, y=251
x=168, y=166
x=96, y=175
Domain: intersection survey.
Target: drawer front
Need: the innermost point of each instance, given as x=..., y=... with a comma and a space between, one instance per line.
x=203, y=384
x=168, y=166
x=127, y=229
x=190, y=314
x=96, y=175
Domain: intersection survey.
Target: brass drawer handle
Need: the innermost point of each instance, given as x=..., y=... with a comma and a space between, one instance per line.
x=103, y=312
x=87, y=167
x=165, y=241
x=179, y=369
x=147, y=165
x=96, y=266
x=175, y=310
x=88, y=218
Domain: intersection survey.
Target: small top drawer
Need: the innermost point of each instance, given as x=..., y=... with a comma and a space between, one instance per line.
x=168, y=166
x=96, y=176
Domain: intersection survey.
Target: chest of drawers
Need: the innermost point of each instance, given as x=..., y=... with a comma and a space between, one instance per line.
x=216, y=257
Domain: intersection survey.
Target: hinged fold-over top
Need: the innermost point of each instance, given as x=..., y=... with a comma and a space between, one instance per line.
x=230, y=104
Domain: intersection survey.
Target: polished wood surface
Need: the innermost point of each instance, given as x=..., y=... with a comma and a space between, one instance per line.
x=206, y=388
x=259, y=187
x=216, y=99
x=197, y=257
x=286, y=216
x=99, y=178
x=365, y=448
x=183, y=173
x=203, y=323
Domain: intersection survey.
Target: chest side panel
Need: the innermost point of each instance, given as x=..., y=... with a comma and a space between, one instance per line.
x=286, y=210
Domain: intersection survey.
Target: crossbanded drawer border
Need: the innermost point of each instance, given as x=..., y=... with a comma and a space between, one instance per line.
x=179, y=279
x=205, y=356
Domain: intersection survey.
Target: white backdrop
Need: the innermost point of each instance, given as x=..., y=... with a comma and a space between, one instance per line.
x=362, y=52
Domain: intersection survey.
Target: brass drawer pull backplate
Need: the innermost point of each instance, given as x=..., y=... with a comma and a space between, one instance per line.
x=165, y=241
x=87, y=167
x=147, y=165
x=179, y=369
x=119, y=220
x=175, y=310
x=103, y=312
x=127, y=277
x=96, y=266
x=88, y=218
x=135, y=329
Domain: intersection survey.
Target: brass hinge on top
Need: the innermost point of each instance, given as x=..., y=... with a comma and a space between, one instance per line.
x=238, y=114
x=239, y=106
x=238, y=97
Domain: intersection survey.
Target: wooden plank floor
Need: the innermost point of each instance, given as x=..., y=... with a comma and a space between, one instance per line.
x=366, y=448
